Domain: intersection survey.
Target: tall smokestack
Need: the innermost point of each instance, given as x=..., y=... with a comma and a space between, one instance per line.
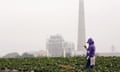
x=81, y=27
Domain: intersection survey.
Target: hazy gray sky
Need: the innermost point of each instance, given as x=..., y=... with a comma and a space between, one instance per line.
x=25, y=25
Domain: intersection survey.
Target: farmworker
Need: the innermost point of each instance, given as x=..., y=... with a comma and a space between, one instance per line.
x=90, y=54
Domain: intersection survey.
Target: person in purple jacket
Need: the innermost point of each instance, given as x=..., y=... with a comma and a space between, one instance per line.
x=90, y=54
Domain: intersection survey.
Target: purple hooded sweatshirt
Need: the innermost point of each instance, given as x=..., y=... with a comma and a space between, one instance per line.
x=91, y=48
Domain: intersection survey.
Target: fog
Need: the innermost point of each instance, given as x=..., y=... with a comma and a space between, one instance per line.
x=25, y=25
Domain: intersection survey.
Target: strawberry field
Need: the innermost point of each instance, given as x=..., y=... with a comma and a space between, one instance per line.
x=59, y=64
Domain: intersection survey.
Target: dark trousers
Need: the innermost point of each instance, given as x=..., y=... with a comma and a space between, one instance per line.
x=88, y=64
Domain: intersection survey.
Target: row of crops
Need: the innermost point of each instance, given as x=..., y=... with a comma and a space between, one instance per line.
x=74, y=64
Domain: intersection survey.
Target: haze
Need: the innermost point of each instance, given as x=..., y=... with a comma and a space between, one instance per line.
x=25, y=25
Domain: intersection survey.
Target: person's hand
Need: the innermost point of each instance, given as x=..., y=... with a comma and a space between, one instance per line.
x=85, y=46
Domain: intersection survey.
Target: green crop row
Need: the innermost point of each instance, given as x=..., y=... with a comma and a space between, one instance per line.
x=103, y=64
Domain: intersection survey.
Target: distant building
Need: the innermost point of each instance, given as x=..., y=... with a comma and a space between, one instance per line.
x=41, y=53
x=55, y=46
x=79, y=53
x=81, y=29
x=69, y=49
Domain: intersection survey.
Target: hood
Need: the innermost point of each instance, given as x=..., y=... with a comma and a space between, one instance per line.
x=90, y=41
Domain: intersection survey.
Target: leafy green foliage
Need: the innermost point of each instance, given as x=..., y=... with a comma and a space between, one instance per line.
x=103, y=64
